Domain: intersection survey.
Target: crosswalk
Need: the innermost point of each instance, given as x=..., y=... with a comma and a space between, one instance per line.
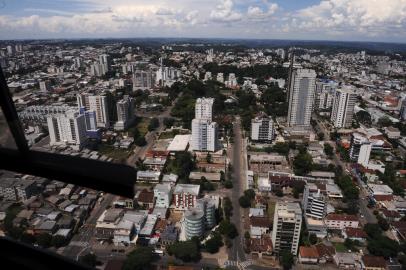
x=241, y=265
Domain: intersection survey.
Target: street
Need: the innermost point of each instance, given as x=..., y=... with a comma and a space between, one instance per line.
x=236, y=252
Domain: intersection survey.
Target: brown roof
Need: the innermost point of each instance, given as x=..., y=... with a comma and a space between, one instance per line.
x=400, y=226
x=161, y=225
x=382, y=198
x=391, y=213
x=308, y=252
x=146, y=196
x=263, y=244
x=355, y=232
x=260, y=222
x=342, y=217
x=374, y=261
x=324, y=250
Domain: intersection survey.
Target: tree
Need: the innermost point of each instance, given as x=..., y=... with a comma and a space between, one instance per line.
x=209, y=158
x=44, y=240
x=328, y=150
x=228, y=229
x=168, y=122
x=363, y=117
x=244, y=201
x=153, y=124
x=286, y=259
x=214, y=243
x=59, y=241
x=186, y=251
x=227, y=207
x=250, y=194
x=247, y=235
x=320, y=136
x=89, y=259
x=384, y=121
x=312, y=238
x=228, y=184
x=139, y=259
x=302, y=164
x=140, y=141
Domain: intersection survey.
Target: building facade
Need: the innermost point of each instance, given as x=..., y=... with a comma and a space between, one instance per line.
x=262, y=129
x=343, y=107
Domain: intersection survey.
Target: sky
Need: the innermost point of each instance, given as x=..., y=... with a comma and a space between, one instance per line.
x=343, y=20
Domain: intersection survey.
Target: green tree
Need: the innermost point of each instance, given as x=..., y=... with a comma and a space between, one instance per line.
x=139, y=259
x=313, y=239
x=286, y=259
x=168, y=122
x=153, y=124
x=244, y=201
x=227, y=207
x=228, y=229
x=214, y=243
x=250, y=194
x=328, y=150
x=228, y=184
x=186, y=251
x=303, y=162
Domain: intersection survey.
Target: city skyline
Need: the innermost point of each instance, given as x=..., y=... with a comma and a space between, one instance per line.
x=358, y=20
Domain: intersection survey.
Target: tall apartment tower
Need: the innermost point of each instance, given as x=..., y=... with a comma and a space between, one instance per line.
x=142, y=80
x=98, y=104
x=124, y=113
x=301, y=97
x=67, y=129
x=262, y=128
x=204, y=130
x=286, y=227
x=204, y=108
x=343, y=107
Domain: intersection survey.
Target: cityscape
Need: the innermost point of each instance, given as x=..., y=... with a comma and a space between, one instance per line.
x=246, y=153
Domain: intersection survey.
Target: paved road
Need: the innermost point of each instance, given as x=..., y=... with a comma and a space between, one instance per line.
x=236, y=252
x=81, y=241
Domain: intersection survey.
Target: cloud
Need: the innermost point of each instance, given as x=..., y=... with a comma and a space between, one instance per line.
x=257, y=13
x=164, y=11
x=224, y=12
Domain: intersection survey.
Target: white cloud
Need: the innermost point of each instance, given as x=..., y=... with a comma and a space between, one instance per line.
x=224, y=12
x=257, y=13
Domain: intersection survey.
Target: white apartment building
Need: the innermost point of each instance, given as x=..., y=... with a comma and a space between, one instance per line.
x=163, y=195
x=287, y=224
x=314, y=203
x=204, y=108
x=124, y=113
x=262, y=129
x=341, y=221
x=204, y=135
x=67, y=129
x=142, y=80
x=324, y=94
x=357, y=141
x=343, y=107
x=98, y=104
x=301, y=97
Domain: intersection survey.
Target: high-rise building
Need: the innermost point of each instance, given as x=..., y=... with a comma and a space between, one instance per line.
x=220, y=77
x=343, y=107
x=194, y=223
x=287, y=224
x=125, y=111
x=105, y=61
x=204, y=135
x=67, y=129
x=97, y=103
x=324, y=96
x=204, y=108
x=262, y=129
x=301, y=97
x=142, y=80
x=314, y=203
x=204, y=131
x=357, y=141
x=45, y=86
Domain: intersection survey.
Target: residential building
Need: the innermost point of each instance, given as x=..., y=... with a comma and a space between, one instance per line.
x=204, y=135
x=194, y=223
x=262, y=128
x=163, y=195
x=370, y=262
x=343, y=107
x=314, y=203
x=341, y=221
x=325, y=91
x=185, y=196
x=286, y=227
x=301, y=97
x=97, y=103
x=67, y=129
x=125, y=111
x=142, y=80
x=204, y=108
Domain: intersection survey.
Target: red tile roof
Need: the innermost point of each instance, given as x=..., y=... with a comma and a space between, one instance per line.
x=382, y=198
x=374, y=261
x=355, y=233
x=309, y=252
x=342, y=217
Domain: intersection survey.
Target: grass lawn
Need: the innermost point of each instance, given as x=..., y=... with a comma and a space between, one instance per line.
x=114, y=153
x=340, y=247
x=142, y=126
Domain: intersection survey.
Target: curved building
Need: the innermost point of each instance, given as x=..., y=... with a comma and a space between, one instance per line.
x=194, y=223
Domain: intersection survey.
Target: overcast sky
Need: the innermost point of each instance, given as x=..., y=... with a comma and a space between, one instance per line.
x=359, y=20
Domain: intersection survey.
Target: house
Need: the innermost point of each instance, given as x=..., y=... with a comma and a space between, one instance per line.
x=107, y=222
x=169, y=235
x=257, y=212
x=148, y=176
x=341, y=221
x=145, y=199
x=260, y=247
x=308, y=255
x=370, y=262
x=400, y=228
x=170, y=178
x=259, y=226
x=392, y=132
x=210, y=176
x=390, y=215
x=355, y=234
x=347, y=260
x=123, y=232
x=326, y=253
x=48, y=226
x=163, y=195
